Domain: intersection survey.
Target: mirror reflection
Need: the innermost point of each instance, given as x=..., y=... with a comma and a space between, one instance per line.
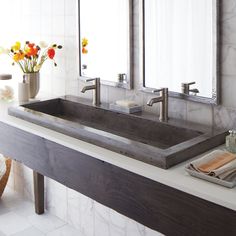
x=180, y=46
x=105, y=40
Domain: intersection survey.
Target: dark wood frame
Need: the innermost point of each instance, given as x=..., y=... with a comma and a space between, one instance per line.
x=160, y=207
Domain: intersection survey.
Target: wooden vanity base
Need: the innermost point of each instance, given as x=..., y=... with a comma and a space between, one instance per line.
x=155, y=205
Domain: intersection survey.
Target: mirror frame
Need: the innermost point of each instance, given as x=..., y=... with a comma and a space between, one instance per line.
x=129, y=84
x=216, y=85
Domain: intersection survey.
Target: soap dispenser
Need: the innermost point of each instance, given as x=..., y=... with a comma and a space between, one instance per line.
x=230, y=141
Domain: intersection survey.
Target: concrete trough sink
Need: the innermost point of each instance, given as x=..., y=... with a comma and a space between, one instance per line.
x=140, y=136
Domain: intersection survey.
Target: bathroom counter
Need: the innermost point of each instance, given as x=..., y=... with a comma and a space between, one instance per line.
x=175, y=177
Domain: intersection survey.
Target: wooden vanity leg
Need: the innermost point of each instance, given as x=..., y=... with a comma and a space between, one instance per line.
x=38, y=193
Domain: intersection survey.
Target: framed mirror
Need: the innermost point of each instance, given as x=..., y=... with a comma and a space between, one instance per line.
x=105, y=41
x=180, y=48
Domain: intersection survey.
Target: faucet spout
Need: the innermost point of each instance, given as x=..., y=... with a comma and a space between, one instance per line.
x=154, y=100
x=86, y=88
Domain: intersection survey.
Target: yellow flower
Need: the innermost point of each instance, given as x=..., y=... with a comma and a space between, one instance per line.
x=84, y=42
x=18, y=56
x=16, y=46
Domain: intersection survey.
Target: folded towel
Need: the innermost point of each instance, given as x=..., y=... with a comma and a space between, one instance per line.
x=224, y=170
x=218, y=161
x=219, y=164
x=229, y=175
x=126, y=103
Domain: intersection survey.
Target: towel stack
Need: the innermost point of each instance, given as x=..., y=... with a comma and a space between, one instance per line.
x=219, y=164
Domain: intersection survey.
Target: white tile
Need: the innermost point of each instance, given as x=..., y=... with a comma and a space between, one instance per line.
x=46, y=25
x=59, y=7
x=2, y=234
x=115, y=94
x=3, y=209
x=58, y=25
x=224, y=117
x=11, y=199
x=73, y=213
x=117, y=219
x=56, y=199
x=34, y=8
x=35, y=25
x=19, y=184
x=116, y=231
x=71, y=7
x=46, y=7
x=11, y=223
x=150, y=232
x=177, y=109
x=70, y=26
x=200, y=113
x=65, y=231
x=228, y=59
x=45, y=222
x=228, y=88
x=87, y=215
x=101, y=220
x=28, y=183
x=24, y=209
x=134, y=228
x=31, y=231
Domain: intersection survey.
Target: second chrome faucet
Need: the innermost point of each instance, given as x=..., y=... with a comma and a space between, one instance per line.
x=163, y=100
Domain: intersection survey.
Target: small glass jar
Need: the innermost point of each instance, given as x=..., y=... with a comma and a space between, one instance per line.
x=230, y=141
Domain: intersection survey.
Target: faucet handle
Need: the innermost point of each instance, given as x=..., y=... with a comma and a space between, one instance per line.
x=186, y=83
x=160, y=90
x=88, y=79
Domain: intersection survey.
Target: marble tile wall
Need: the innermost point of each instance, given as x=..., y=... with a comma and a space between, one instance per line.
x=57, y=21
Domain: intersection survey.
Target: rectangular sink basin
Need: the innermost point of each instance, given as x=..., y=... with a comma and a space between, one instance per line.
x=140, y=136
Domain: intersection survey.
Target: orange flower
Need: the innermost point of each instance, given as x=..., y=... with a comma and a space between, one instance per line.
x=32, y=51
x=84, y=50
x=51, y=53
x=18, y=56
x=31, y=45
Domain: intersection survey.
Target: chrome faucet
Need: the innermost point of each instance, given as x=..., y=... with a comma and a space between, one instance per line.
x=185, y=88
x=95, y=87
x=163, y=99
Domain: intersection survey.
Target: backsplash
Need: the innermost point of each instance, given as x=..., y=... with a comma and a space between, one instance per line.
x=56, y=20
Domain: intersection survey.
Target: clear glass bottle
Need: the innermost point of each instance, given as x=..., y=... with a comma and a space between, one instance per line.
x=230, y=141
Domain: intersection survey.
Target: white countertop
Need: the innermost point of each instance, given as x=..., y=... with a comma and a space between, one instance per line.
x=175, y=177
